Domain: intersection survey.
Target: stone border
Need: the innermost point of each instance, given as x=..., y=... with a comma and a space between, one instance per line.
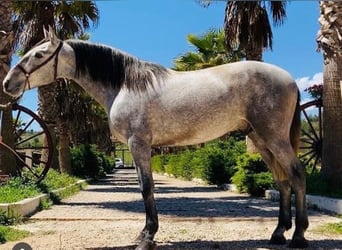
x=29, y=206
x=330, y=205
x=327, y=204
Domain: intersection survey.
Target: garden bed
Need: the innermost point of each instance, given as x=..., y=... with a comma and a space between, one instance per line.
x=29, y=206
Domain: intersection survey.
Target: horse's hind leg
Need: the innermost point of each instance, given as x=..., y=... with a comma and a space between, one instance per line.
x=284, y=217
x=141, y=152
x=285, y=155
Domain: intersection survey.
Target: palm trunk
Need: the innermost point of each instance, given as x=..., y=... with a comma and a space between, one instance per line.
x=7, y=159
x=64, y=155
x=46, y=101
x=330, y=42
x=332, y=123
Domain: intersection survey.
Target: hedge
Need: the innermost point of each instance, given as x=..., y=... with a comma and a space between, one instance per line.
x=213, y=163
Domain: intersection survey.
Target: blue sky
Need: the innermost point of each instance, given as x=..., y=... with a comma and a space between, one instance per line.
x=155, y=30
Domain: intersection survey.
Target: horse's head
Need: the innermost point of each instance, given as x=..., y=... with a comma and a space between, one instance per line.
x=42, y=65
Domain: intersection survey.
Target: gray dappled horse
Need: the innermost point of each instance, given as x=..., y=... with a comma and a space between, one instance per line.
x=149, y=105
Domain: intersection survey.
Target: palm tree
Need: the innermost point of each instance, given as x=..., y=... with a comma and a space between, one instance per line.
x=329, y=39
x=247, y=25
x=70, y=18
x=210, y=51
x=7, y=160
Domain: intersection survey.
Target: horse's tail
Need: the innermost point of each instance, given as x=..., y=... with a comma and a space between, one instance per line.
x=295, y=126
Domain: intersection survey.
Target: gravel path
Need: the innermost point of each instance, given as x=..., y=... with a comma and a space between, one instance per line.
x=110, y=214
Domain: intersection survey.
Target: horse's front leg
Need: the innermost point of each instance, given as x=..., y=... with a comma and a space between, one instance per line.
x=141, y=152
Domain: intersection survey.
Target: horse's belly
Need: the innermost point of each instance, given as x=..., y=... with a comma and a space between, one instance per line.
x=195, y=133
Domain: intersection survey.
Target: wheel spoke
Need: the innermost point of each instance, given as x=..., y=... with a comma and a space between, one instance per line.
x=309, y=135
x=311, y=139
x=310, y=124
x=307, y=140
x=22, y=131
x=15, y=124
x=314, y=168
x=29, y=138
x=25, y=139
x=307, y=153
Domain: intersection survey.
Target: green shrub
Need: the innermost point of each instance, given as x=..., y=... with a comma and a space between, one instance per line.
x=213, y=163
x=252, y=175
x=315, y=184
x=158, y=163
x=87, y=161
x=179, y=165
x=219, y=159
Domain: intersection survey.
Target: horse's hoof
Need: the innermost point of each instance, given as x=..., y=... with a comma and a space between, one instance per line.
x=140, y=237
x=299, y=243
x=277, y=240
x=147, y=245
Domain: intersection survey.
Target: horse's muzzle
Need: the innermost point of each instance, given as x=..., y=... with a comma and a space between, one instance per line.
x=12, y=89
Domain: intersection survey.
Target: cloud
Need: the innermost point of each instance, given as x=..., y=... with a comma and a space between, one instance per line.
x=306, y=81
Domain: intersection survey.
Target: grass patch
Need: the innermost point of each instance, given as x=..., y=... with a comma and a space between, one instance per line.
x=331, y=228
x=17, y=189
x=55, y=180
x=11, y=234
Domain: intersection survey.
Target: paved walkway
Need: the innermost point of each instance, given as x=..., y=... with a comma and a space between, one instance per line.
x=110, y=214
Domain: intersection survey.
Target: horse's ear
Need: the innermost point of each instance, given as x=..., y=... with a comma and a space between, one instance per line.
x=52, y=36
x=46, y=34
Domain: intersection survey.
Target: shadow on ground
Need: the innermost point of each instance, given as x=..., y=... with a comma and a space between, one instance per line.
x=234, y=245
x=194, y=207
x=183, y=206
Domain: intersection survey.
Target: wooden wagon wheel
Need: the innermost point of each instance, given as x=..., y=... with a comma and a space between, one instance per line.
x=311, y=133
x=29, y=132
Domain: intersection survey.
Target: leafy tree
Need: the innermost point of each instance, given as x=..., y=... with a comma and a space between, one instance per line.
x=70, y=19
x=330, y=42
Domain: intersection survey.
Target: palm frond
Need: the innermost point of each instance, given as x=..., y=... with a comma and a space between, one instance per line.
x=247, y=25
x=278, y=11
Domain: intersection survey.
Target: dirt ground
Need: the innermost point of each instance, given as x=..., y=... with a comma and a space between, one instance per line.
x=110, y=214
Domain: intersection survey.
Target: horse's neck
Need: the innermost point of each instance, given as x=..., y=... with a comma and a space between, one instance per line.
x=103, y=95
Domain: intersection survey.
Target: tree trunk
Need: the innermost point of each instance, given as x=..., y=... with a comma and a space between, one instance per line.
x=64, y=155
x=332, y=122
x=45, y=102
x=7, y=159
x=329, y=40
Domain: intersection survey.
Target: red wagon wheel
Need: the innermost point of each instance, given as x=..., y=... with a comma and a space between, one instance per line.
x=312, y=133
x=32, y=142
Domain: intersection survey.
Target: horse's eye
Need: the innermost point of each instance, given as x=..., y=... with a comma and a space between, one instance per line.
x=38, y=55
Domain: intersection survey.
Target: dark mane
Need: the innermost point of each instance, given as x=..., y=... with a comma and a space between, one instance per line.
x=113, y=67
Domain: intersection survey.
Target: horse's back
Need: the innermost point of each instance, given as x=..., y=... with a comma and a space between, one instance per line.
x=197, y=106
